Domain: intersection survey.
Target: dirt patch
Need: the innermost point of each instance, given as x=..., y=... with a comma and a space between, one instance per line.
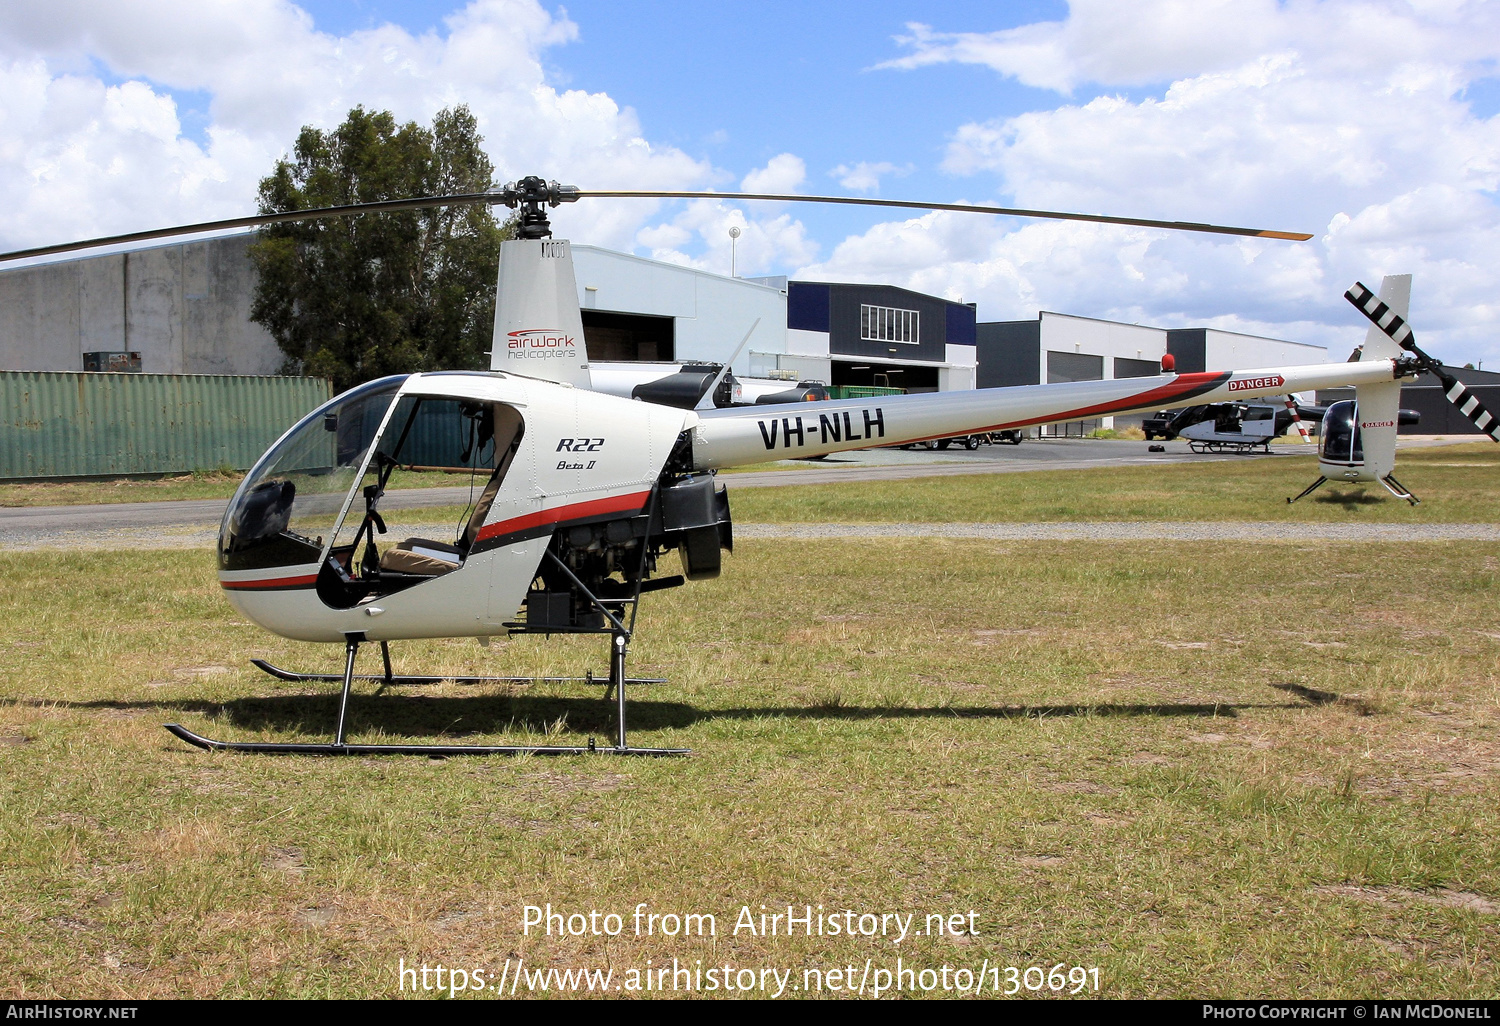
x=566, y=782
x=1402, y=897
x=71, y=924
x=1082, y=787
x=317, y=916
x=286, y=860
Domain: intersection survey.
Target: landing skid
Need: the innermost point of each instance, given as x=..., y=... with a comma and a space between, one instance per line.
x=1393, y=486
x=616, y=682
x=1398, y=489
x=1309, y=489
x=435, y=751
x=1240, y=448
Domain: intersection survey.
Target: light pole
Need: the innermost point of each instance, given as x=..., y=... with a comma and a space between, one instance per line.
x=734, y=233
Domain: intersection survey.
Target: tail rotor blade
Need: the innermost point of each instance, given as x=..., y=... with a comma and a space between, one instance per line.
x=1468, y=404
x=1388, y=321
x=1383, y=317
x=1291, y=407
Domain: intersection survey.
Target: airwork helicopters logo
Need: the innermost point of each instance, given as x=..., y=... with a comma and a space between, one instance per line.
x=1244, y=384
x=543, y=342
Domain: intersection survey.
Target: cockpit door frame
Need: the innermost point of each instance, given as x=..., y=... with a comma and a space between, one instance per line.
x=359, y=477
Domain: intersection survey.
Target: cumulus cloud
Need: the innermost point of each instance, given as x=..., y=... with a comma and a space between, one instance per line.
x=93, y=142
x=865, y=176
x=768, y=240
x=783, y=174
x=1346, y=119
x=1161, y=40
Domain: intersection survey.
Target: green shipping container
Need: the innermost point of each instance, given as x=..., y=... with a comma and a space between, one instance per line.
x=70, y=424
x=861, y=391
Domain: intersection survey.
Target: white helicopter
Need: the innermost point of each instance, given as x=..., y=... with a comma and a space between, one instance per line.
x=584, y=492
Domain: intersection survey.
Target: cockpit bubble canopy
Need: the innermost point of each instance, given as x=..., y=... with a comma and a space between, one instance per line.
x=290, y=501
x=1341, y=436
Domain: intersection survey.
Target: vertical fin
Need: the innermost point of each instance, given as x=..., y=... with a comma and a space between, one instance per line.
x=538, y=327
x=1380, y=404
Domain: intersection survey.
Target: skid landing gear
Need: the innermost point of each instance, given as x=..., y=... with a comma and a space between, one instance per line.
x=616, y=683
x=1393, y=486
x=1309, y=489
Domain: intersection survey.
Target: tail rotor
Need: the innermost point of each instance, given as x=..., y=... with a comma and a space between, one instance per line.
x=1395, y=326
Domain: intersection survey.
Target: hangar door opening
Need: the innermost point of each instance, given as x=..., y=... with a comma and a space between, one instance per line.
x=912, y=377
x=617, y=337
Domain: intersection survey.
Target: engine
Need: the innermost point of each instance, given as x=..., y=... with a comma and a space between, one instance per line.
x=615, y=560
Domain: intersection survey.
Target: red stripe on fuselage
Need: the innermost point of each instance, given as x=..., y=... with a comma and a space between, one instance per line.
x=1185, y=387
x=632, y=503
x=304, y=581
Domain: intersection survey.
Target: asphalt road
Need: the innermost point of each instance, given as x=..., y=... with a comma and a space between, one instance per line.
x=193, y=523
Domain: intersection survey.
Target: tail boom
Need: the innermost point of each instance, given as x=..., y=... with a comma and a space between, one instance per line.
x=734, y=437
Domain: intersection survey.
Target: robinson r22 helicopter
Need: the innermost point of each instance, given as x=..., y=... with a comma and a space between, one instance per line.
x=585, y=492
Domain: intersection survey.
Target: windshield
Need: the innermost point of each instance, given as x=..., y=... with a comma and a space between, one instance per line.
x=1341, y=441
x=290, y=500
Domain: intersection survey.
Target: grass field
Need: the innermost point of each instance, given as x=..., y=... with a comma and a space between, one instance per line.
x=1204, y=769
x=1454, y=482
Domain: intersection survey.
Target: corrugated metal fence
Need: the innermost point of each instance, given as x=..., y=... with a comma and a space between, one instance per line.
x=68, y=424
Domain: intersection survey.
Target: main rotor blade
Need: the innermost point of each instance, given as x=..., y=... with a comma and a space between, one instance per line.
x=968, y=208
x=509, y=198
x=380, y=206
x=1394, y=325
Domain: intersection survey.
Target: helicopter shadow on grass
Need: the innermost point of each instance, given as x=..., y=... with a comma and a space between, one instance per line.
x=1350, y=501
x=432, y=716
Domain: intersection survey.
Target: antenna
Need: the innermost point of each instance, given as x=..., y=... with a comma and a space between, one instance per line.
x=734, y=233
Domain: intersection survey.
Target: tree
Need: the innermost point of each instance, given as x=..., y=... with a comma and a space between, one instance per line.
x=356, y=297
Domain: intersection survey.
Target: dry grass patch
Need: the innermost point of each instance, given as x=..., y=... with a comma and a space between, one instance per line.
x=1072, y=740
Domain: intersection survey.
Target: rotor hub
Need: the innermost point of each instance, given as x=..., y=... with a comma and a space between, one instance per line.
x=531, y=196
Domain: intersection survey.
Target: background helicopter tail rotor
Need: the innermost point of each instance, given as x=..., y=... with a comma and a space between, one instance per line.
x=1395, y=326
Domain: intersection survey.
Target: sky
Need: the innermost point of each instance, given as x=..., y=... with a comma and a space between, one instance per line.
x=1370, y=123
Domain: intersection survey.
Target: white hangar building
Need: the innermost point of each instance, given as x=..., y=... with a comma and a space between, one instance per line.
x=635, y=309
x=1064, y=347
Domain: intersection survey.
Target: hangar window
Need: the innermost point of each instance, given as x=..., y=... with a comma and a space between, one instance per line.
x=888, y=324
x=1074, y=367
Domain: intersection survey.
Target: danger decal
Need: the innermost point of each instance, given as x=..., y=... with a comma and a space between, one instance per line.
x=1246, y=384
